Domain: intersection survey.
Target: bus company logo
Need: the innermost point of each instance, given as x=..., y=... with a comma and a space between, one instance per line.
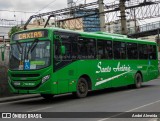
x=21, y=115
x=6, y=115
x=119, y=68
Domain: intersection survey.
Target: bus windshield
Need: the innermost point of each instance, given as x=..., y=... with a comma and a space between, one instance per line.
x=30, y=55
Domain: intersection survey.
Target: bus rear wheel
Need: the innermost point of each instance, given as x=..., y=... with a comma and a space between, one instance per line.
x=47, y=96
x=138, y=80
x=82, y=88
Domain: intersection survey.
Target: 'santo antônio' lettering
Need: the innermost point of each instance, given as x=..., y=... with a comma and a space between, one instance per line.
x=122, y=68
x=102, y=70
x=119, y=68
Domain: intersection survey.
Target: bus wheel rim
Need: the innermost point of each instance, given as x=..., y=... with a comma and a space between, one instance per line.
x=138, y=81
x=82, y=87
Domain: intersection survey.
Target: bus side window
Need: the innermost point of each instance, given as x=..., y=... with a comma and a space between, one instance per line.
x=65, y=40
x=74, y=48
x=57, y=50
x=143, y=51
x=132, y=51
x=108, y=50
x=67, y=45
x=152, y=52
x=86, y=48
x=104, y=49
x=100, y=49
x=119, y=50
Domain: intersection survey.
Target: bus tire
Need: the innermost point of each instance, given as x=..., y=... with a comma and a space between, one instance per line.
x=47, y=96
x=138, y=80
x=82, y=88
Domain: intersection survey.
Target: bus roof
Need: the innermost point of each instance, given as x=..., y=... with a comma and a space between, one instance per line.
x=99, y=35
x=105, y=35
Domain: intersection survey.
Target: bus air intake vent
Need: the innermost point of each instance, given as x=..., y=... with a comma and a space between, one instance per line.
x=25, y=75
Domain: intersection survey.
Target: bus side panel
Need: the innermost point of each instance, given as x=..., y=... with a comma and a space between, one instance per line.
x=104, y=73
x=66, y=78
x=88, y=67
x=114, y=73
x=152, y=70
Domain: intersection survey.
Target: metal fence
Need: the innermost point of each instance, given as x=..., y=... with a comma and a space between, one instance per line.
x=145, y=27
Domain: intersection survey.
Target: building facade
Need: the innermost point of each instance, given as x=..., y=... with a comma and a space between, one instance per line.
x=115, y=26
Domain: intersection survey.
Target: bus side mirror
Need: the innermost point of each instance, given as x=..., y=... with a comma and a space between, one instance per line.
x=63, y=49
x=2, y=55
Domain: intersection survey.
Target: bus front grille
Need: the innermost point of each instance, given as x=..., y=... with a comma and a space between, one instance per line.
x=25, y=75
x=24, y=80
x=27, y=88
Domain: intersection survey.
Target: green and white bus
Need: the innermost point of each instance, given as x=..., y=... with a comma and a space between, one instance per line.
x=54, y=61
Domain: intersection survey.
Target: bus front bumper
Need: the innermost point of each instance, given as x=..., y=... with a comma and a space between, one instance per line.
x=45, y=88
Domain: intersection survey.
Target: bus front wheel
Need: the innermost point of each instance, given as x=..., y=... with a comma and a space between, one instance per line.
x=82, y=88
x=47, y=96
x=138, y=80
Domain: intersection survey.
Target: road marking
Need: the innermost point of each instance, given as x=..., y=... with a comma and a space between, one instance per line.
x=131, y=90
x=154, y=119
x=52, y=106
x=130, y=110
x=40, y=109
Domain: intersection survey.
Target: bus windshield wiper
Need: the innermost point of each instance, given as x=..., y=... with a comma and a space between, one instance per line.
x=19, y=46
x=31, y=48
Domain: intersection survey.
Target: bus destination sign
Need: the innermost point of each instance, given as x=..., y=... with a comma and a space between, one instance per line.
x=30, y=35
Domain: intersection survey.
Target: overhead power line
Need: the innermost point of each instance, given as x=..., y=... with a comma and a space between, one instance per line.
x=45, y=6
x=18, y=11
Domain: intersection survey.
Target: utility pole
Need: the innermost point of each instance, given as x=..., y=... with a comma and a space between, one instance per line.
x=123, y=17
x=135, y=21
x=102, y=16
x=85, y=1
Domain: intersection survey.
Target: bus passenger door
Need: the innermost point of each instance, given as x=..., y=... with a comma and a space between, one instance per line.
x=63, y=68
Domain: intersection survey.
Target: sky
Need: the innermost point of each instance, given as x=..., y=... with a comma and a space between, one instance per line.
x=21, y=10
x=31, y=7
x=9, y=9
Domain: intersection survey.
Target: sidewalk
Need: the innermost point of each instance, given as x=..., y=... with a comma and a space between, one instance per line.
x=19, y=97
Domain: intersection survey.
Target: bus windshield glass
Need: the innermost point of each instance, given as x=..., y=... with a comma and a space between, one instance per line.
x=30, y=55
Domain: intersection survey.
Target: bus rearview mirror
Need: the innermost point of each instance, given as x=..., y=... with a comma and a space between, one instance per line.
x=57, y=37
x=63, y=49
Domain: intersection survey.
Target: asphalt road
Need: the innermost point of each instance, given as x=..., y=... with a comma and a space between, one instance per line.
x=122, y=100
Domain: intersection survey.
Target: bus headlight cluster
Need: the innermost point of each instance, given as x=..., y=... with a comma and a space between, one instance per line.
x=45, y=78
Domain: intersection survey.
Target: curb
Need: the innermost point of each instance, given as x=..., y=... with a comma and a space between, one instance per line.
x=16, y=98
x=155, y=119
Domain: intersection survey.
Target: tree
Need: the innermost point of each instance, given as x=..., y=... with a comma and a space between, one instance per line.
x=14, y=30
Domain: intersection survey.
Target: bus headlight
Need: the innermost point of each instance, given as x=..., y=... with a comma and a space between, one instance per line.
x=45, y=78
